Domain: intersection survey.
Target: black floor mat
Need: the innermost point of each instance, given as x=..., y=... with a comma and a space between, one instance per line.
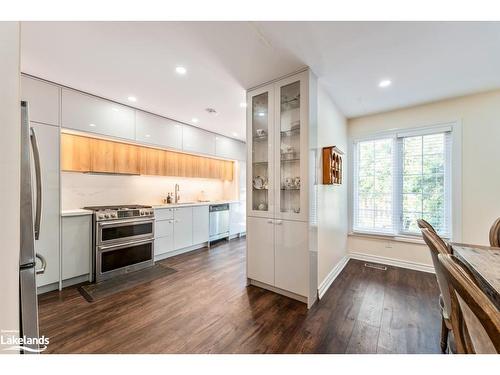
x=96, y=292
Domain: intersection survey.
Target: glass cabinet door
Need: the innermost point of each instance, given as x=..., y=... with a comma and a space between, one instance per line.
x=260, y=142
x=291, y=152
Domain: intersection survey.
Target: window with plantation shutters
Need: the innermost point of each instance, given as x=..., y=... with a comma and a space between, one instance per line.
x=400, y=178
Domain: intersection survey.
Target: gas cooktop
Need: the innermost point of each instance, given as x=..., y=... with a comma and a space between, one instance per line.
x=121, y=211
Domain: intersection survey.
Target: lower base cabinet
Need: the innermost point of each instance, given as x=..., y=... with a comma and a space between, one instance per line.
x=76, y=246
x=277, y=254
x=183, y=227
x=260, y=249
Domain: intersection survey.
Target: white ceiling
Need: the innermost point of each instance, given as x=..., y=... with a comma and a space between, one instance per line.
x=426, y=62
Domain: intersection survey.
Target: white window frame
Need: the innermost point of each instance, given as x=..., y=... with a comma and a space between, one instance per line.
x=455, y=181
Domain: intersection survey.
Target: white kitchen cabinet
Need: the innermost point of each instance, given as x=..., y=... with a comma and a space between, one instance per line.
x=158, y=131
x=164, y=237
x=47, y=138
x=237, y=218
x=291, y=255
x=183, y=227
x=229, y=148
x=91, y=114
x=164, y=213
x=198, y=140
x=281, y=174
x=200, y=224
x=76, y=246
x=43, y=99
x=260, y=250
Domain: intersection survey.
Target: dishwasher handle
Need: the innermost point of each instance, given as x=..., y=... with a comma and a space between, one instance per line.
x=218, y=207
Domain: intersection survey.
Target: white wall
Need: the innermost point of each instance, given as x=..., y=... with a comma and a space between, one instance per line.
x=9, y=175
x=332, y=199
x=80, y=189
x=480, y=118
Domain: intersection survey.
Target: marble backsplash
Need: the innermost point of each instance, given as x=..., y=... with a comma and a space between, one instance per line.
x=79, y=189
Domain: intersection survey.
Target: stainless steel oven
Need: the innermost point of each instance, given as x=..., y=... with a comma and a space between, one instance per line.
x=118, y=231
x=123, y=240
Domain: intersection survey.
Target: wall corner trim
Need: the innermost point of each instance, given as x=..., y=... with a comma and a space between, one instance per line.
x=330, y=278
x=392, y=262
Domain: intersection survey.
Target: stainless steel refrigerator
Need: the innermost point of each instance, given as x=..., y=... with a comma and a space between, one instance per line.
x=31, y=213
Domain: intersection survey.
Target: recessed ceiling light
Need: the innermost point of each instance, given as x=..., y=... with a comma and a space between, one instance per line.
x=147, y=135
x=132, y=99
x=194, y=120
x=180, y=70
x=92, y=125
x=261, y=114
x=243, y=105
x=115, y=109
x=234, y=134
x=385, y=83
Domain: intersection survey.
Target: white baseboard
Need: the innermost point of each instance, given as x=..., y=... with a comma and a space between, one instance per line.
x=392, y=262
x=330, y=278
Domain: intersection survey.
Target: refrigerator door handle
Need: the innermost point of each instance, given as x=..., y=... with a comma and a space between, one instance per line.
x=38, y=177
x=44, y=264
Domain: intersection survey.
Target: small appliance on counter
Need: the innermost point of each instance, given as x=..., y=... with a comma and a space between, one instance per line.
x=123, y=240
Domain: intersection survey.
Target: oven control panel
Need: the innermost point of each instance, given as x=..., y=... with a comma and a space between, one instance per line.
x=110, y=214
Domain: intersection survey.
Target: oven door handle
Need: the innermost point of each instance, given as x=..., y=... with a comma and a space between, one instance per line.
x=124, y=222
x=127, y=244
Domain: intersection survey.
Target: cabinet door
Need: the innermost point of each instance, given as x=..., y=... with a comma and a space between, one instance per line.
x=126, y=158
x=75, y=153
x=260, y=135
x=200, y=224
x=76, y=246
x=43, y=100
x=48, y=244
x=90, y=114
x=183, y=227
x=260, y=250
x=164, y=236
x=236, y=218
x=198, y=140
x=229, y=148
x=291, y=256
x=157, y=130
x=102, y=156
x=291, y=147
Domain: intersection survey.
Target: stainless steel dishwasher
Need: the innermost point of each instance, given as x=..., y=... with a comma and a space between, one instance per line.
x=219, y=222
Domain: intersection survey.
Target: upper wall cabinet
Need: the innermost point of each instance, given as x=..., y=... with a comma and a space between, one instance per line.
x=90, y=114
x=158, y=131
x=229, y=148
x=198, y=140
x=43, y=99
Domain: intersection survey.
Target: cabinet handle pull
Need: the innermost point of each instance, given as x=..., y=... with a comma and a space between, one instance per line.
x=269, y=221
x=279, y=222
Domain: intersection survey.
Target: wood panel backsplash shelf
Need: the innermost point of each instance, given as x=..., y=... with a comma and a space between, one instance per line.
x=85, y=154
x=332, y=165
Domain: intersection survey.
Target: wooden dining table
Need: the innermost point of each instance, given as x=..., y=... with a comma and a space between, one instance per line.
x=484, y=264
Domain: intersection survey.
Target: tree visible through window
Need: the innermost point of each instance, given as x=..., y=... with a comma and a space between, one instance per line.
x=400, y=179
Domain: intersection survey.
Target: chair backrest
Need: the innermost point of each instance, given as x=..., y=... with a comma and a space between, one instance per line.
x=495, y=233
x=475, y=319
x=423, y=224
x=438, y=246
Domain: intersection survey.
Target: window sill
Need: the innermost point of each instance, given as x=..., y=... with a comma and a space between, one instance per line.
x=388, y=237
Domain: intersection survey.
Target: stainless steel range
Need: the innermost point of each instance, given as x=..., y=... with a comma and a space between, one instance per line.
x=123, y=239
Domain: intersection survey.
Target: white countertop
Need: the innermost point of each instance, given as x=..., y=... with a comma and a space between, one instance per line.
x=191, y=204
x=81, y=211
x=76, y=212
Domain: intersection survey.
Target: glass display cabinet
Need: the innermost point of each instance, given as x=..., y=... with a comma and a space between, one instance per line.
x=281, y=170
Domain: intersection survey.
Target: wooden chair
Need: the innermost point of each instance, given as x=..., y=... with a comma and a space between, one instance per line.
x=495, y=233
x=423, y=224
x=475, y=319
x=438, y=246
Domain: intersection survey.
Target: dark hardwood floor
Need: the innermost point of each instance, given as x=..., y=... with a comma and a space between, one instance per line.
x=205, y=307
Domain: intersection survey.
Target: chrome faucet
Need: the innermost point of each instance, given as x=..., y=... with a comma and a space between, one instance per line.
x=177, y=198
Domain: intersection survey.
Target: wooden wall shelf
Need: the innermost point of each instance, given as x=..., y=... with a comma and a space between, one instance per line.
x=95, y=155
x=332, y=165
